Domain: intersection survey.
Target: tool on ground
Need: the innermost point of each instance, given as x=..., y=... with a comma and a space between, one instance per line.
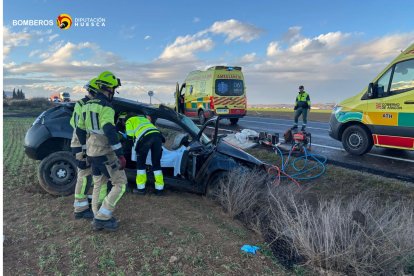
x=296, y=146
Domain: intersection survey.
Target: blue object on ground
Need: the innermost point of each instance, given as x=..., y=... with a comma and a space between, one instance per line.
x=250, y=248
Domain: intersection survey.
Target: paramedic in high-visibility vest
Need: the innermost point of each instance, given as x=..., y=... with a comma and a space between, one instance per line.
x=302, y=106
x=146, y=137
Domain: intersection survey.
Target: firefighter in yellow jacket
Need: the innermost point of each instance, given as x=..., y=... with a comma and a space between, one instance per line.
x=146, y=137
x=84, y=176
x=103, y=150
x=84, y=179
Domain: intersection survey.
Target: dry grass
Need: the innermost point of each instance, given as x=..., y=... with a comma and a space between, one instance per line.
x=357, y=235
x=361, y=236
x=180, y=234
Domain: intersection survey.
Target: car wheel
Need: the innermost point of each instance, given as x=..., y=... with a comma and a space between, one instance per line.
x=57, y=173
x=214, y=187
x=356, y=140
x=233, y=121
x=201, y=117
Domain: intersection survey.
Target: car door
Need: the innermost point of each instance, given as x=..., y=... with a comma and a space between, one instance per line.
x=392, y=112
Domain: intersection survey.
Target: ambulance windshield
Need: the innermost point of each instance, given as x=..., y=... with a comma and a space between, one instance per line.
x=229, y=87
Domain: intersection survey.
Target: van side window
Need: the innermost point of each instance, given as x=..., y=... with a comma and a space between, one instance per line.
x=189, y=89
x=383, y=84
x=403, y=77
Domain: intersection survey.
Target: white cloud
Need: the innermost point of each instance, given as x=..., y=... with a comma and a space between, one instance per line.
x=127, y=32
x=147, y=37
x=382, y=48
x=184, y=47
x=52, y=37
x=332, y=66
x=235, y=30
x=272, y=49
x=323, y=41
x=78, y=89
x=293, y=34
x=248, y=58
x=64, y=53
x=12, y=40
x=34, y=53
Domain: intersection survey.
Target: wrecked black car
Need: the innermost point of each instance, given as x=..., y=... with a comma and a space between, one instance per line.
x=203, y=156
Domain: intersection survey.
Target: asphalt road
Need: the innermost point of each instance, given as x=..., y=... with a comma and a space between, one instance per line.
x=387, y=162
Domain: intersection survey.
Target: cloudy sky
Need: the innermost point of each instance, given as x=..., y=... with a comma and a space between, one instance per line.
x=333, y=48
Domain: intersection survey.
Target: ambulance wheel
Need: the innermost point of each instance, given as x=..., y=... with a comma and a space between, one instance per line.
x=201, y=117
x=57, y=173
x=233, y=121
x=356, y=140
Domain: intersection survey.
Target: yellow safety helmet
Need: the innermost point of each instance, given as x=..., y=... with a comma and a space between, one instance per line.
x=91, y=87
x=107, y=81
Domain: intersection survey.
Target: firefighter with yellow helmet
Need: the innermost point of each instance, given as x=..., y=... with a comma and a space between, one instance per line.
x=84, y=177
x=98, y=137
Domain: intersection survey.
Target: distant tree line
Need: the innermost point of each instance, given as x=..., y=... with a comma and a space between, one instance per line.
x=19, y=95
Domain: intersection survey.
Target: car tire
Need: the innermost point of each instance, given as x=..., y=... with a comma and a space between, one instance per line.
x=234, y=121
x=201, y=117
x=356, y=140
x=57, y=173
x=214, y=187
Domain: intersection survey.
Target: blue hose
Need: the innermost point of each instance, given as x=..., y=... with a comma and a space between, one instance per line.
x=300, y=172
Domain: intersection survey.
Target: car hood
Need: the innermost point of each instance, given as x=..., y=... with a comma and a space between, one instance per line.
x=228, y=149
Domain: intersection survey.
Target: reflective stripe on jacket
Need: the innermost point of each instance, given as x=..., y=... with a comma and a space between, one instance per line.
x=303, y=100
x=139, y=126
x=97, y=119
x=77, y=110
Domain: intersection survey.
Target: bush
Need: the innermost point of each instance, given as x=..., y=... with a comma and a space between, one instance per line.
x=361, y=236
x=42, y=103
x=241, y=195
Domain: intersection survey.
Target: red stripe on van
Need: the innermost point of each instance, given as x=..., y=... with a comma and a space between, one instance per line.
x=395, y=141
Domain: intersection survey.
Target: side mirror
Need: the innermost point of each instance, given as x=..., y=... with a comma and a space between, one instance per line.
x=372, y=91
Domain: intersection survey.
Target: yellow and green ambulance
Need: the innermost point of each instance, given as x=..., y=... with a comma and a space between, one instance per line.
x=219, y=90
x=382, y=114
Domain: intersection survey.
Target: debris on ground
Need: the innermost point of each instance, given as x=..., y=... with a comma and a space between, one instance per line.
x=250, y=248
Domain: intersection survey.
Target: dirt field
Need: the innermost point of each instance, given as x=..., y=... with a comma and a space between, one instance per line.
x=180, y=234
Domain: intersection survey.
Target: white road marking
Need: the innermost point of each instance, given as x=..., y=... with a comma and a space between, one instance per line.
x=266, y=123
x=372, y=154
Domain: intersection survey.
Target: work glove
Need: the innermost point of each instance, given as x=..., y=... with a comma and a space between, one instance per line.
x=123, y=135
x=122, y=162
x=81, y=160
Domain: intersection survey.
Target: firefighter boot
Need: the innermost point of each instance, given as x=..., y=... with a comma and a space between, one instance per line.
x=159, y=183
x=85, y=214
x=139, y=191
x=110, y=224
x=141, y=179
